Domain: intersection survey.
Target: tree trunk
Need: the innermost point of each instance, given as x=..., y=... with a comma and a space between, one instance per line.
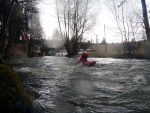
x=146, y=23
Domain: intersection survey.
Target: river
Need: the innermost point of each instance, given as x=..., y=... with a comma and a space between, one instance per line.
x=111, y=86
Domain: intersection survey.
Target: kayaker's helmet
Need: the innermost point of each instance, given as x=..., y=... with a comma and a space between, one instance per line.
x=84, y=55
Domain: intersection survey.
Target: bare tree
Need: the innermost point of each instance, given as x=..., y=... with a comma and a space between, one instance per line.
x=145, y=14
x=127, y=24
x=36, y=41
x=56, y=35
x=74, y=18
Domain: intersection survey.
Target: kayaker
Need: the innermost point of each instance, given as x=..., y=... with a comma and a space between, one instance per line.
x=83, y=58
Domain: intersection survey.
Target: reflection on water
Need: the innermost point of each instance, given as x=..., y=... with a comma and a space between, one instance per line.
x=111, y=86
x=82, y=86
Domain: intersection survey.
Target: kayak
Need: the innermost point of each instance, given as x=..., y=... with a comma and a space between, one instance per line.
x=89, y=63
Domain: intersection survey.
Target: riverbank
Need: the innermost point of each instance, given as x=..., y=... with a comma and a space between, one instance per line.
x=18, y=52
x=99, y=51
x=107, y=55
x=13, y=98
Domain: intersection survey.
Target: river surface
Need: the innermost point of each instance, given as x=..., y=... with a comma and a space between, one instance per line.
x=111, y=86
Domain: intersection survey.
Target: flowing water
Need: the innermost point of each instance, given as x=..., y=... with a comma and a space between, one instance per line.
x=111, y=86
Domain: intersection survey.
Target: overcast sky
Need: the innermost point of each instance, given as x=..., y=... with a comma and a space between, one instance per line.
x=49, y=22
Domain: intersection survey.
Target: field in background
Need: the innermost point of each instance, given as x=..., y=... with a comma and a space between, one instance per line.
x=104, y=51
x=116, y=50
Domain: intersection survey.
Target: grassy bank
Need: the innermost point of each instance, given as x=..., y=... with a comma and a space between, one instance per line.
x=106, y=55
x=13, y=98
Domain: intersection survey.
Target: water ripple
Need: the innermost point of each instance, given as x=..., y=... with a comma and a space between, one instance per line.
x=111, y=86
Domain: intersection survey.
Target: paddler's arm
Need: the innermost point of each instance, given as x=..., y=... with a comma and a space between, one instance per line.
x=79, y=61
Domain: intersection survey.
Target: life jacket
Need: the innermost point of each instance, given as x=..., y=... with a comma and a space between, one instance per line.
x=84, y=57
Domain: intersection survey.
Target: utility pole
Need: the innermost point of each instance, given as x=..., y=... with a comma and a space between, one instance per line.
x=96, y=42
x=105, y=39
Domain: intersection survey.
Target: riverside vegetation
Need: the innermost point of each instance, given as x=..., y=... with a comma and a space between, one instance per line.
x=13, y=98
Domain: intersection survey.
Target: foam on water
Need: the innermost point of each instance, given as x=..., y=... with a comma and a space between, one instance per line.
x=25, y=69
x=112, y=85
x=140, y=79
